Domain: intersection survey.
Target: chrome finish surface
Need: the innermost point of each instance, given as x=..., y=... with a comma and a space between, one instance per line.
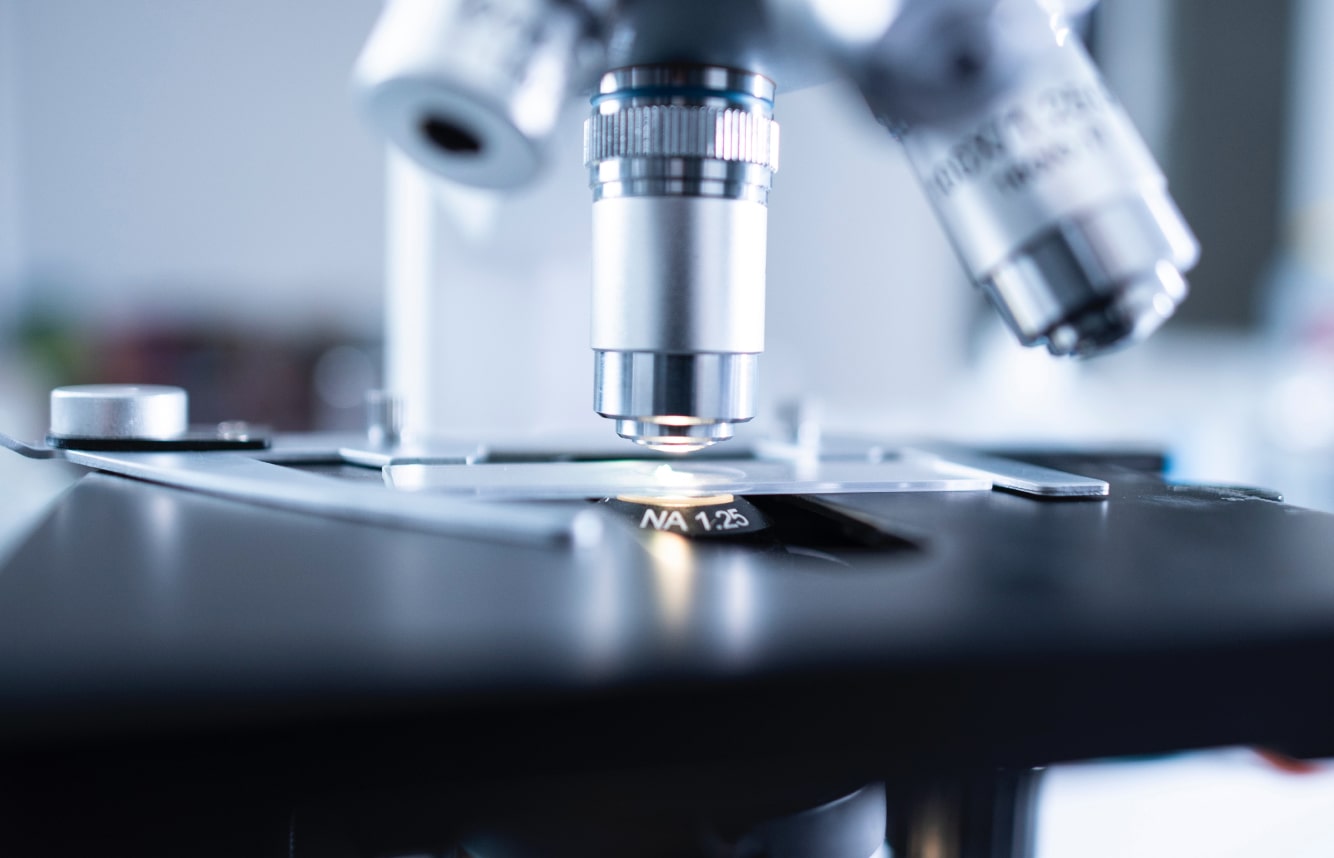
x=680, y=176
x=1056, y=145
x=694, y=387
x=1131, y=314
x=114, y=411
x=680, y=162
x=1107, y=279
x=678, y=274
x=657, y=130
x=384, y=417
x=682, y=130
x=1055, y=204
x=661, y=150
x=674, y=402
x=472, y=91
x=667, y=437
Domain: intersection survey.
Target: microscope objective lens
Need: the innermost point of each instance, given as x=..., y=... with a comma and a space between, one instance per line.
x=680, y=162
x=1056, y=207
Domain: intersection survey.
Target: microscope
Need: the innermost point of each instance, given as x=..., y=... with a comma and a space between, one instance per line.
x=1052, y=202
x=408, y=643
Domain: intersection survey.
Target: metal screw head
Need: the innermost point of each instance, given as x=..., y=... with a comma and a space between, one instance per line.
x=384, y=418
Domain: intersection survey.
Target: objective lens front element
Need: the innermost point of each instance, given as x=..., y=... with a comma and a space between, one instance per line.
x=675, y=403
x=1096, y=282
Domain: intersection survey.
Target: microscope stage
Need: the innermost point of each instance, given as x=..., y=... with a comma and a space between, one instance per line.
x=162, y=648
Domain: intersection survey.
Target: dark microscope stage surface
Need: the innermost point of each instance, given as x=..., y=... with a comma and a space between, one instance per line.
x=224, y=663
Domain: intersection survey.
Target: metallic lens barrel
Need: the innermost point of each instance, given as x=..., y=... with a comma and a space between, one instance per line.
x=680, y=161
x=472, y=90
x=1057, y=208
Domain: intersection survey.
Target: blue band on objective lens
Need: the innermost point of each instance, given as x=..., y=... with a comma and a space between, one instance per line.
x=692, y=92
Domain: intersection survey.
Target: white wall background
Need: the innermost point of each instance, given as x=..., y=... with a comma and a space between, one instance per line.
x=10, y=241
x=191, y=158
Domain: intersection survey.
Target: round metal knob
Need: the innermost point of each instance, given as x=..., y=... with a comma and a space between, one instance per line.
x=130, y=411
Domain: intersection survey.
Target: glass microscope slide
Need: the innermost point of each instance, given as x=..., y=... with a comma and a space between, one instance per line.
x=685, y=478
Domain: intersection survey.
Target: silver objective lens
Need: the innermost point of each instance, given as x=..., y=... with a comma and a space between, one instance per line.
x=1057, y=208
x=680, y=161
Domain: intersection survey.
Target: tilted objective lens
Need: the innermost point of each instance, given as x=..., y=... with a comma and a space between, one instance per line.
x=680, y=162
x=1057, y=208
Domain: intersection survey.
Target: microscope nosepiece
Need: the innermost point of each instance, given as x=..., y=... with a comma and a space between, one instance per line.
x=680, y=162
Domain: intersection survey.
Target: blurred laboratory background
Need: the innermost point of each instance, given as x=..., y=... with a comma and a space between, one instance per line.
x=187, y=196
